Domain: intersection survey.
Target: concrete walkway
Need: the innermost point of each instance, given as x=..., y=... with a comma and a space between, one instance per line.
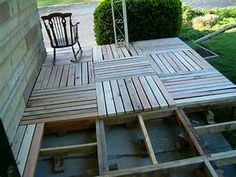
x=210, y=3
x=84, y=14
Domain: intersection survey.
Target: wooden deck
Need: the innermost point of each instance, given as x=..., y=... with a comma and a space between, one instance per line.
x=153, y=76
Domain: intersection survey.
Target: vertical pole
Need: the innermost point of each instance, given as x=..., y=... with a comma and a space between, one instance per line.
x=125, y=24
x=113, y=19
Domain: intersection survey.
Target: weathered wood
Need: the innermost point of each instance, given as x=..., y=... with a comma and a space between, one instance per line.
x=224, y=158
x=206, y=37
x=71, y=149
x=181, y=116
x=210, y=171
x=189, y=164
x=218, y=127
x=32, y=159
x=147, y=140
x=101, y=148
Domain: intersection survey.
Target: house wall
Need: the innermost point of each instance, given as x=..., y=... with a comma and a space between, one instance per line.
x=21, y=56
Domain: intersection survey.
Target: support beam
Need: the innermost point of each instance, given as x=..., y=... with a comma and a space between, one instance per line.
x=147, y=140
x=190, y=130
x=101, y=147
x=32, y=159
x=224, y=158
x=209, y=169
x=219, y=127
x=186, y=165
x=72, y=149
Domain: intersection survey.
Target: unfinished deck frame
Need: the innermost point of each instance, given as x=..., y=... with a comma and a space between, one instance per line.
x=153, y=79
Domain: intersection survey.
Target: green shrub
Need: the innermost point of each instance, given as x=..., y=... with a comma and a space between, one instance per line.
x=147, y=19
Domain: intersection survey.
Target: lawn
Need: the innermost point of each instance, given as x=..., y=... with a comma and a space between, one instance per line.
x=42, y=3
x=223, y=44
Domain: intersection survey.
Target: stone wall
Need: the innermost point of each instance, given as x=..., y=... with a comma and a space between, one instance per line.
x=21, y=56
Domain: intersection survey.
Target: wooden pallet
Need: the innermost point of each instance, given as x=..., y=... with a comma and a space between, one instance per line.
x=61, y=104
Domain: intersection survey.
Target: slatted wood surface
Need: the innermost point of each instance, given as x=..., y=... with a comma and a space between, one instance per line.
x=61, y=104
x=25, y=147
x=123, y=67
x=65, y=75
x=200, y=87
x=135, y=94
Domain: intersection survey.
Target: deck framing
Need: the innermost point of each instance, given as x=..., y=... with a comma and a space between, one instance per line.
x=154, y=79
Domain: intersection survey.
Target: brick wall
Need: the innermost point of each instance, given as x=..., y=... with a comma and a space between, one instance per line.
x=21, y=56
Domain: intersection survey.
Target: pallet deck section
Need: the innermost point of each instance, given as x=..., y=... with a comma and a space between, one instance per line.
x=151, y=77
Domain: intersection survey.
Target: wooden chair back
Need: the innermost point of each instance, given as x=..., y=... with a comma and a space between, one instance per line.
x=60, y=29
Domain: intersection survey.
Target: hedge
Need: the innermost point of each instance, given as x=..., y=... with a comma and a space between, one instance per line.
x=147, y=19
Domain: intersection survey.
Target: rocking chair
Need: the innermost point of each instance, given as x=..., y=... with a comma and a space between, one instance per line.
x=62, y=33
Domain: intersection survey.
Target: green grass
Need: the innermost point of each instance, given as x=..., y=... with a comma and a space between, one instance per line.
x=42, y=3
x=223, y=44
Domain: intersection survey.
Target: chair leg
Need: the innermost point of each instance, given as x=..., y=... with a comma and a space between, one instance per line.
x=54, y=56
x=74, y=53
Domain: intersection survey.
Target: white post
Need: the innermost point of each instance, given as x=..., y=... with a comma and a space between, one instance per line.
x=125, y=24
x=113, y=19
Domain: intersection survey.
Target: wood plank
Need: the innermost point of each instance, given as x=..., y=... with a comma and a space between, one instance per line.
x=166, y=94
x=176, y=60
x=114, y=51
x=71, y=77
x=159, y=63
x=70, y=149
x=78, y=74
x=39, y=81
x=151, y=97
x=46, y=77
x=97, y=53
x=174, y=166
x=223, y=158
x=100, y=99
x=206, y=99
x=133, y=95
x=109, y=100
x=218, y=127
x=125, y=96
x=52, y=77
x=32, y=159
x=101, y=147
x=15, y=146
x=166, y=63
x=90, y=73
x=181, y=116
x=109, y=52
x=64, y=77
x=25, y=147
x=84, y=73
x=141, y=93
x=183, y=61
x=147, y=140
x=159, y=97
x=58, y=76
x=117, y=97
x=209, y=169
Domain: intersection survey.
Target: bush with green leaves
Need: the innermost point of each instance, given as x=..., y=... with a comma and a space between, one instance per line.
x=147, y=19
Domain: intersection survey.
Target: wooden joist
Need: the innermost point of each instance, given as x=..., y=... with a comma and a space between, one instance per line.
x=147, y=140
x=101, y=148
x=70, y=149
x=223, y=158
x=218, y=127
x=190, y=164
x=181, y=116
